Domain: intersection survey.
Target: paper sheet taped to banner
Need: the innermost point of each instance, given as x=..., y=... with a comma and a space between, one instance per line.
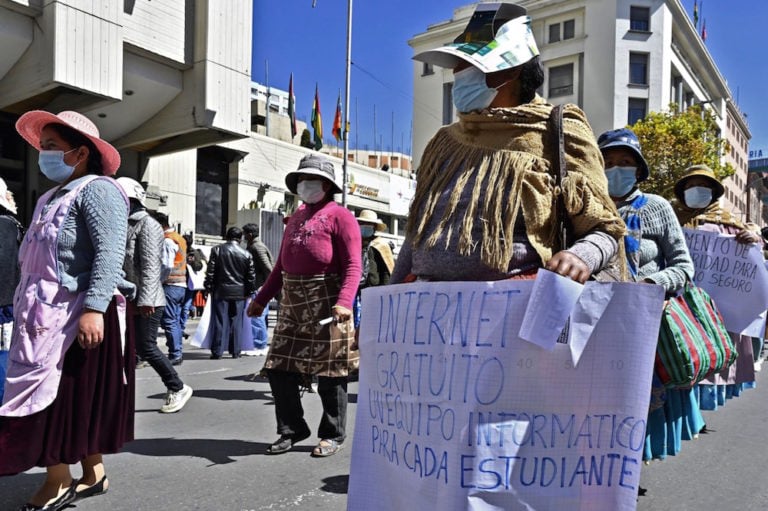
x=456, y=412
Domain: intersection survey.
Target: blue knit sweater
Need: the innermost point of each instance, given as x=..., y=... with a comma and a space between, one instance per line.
x=91, y=244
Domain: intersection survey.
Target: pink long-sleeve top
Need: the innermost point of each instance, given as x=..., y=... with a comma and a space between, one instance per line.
x=321, y=238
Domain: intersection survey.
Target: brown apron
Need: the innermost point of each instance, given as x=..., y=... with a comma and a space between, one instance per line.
x=300, y=344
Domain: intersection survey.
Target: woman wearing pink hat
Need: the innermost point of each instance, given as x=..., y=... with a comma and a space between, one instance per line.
x=69, y=390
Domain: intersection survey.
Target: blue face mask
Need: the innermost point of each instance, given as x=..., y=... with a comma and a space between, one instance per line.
x=470, y=91
x=53, y=167
x=366, y=231
x=621, y=180
x=697, y=197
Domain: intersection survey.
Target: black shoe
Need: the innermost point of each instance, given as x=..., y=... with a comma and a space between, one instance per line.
x=286, y=442
x=62, y=502
x=177, y=361
x=92, y=491
x=215, y=356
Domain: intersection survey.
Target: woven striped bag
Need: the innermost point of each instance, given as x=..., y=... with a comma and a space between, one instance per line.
x=693, y=343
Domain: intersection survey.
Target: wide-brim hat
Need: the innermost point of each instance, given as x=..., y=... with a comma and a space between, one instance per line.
x=31, y=124
x=368, y=216
x=699, y=171
x=625, y=137
x=497, y=37
x=6, y=198
x=314, y=165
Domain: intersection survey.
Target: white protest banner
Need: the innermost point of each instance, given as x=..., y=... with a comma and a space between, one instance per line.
x=456, y=412
x=732, y=273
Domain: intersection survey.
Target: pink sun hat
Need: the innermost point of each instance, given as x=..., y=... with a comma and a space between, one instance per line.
x=31, y=124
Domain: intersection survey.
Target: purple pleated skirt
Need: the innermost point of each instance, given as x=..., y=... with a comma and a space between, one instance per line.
x=92, y=413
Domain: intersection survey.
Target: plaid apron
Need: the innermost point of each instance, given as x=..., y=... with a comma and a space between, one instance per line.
x=299, y=343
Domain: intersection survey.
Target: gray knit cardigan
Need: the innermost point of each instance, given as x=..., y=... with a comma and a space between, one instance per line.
x=664, y=257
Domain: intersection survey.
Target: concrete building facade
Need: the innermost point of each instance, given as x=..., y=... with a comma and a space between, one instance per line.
x=616, y=59
x=156, y=77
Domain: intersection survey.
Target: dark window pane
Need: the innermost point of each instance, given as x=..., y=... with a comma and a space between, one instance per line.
x=637, y=110
x=640, y=19
x=554, y=33
x=212, y=192
x=427, y=69
x=638, y=68
x=569, y=29
x=561, y=80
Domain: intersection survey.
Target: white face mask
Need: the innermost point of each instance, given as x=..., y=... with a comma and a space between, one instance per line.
x=310, y=191
x=697, y=197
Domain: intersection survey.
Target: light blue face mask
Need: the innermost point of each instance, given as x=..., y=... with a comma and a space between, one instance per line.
x=470, y=92
x=53, y=167
x=621, y=180
x=697, y=197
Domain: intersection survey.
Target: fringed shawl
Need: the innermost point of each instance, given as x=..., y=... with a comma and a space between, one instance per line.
x=504, y=155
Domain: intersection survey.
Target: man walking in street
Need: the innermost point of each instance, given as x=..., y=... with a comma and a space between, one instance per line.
x=230, y=279
x=262, y=260
x=142, y=266
x=175, y=287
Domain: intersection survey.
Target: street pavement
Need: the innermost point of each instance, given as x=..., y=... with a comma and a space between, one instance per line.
x=210, y=456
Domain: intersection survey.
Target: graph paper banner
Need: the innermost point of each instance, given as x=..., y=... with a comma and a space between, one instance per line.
x=456, y=412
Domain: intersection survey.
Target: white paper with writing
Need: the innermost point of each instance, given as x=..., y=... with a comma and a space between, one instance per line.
x=456, y=412
x=552, y=299
x=733, y=274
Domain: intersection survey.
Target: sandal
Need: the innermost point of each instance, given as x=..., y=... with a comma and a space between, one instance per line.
x=326, y=447
x=285, y=443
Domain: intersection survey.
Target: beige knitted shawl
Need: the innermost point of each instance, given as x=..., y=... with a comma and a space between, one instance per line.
x=510, y=149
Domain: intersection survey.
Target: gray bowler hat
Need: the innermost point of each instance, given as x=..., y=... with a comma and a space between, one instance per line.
x=314, y=165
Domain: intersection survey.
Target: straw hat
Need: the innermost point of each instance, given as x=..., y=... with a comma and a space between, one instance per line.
x=314, y=165
x=6, y=198
x=368, y=216
x=699, y=171
x=31, y=124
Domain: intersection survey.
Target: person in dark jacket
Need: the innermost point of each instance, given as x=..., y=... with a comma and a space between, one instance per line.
x=262, y=259
x=230, y=279
x=142, y=266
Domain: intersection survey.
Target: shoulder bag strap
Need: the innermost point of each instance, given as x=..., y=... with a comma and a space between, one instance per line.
x=559, y=171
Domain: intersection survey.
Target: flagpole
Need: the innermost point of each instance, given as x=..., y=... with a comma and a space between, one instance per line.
x=346, y=106
x=266, y=114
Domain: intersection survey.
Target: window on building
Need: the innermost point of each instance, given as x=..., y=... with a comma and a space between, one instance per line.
x=447, y=103
x=554, y=32
x=638, y=68
x=637, y=109
x=569, y=29
x=640, y=19
x=561, y=80
x=427, y=69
